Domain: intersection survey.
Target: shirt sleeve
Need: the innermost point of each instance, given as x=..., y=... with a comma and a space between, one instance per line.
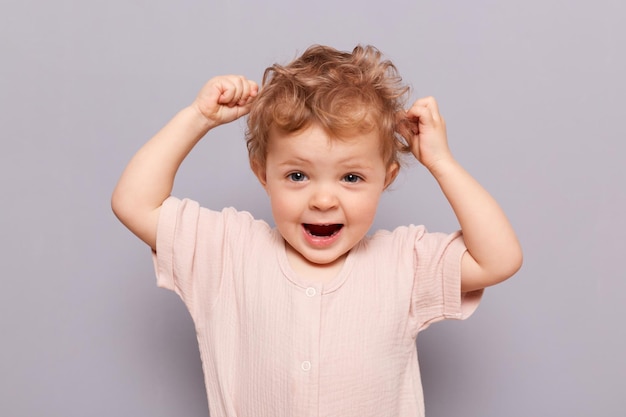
x=189, y=251
x=437, y=280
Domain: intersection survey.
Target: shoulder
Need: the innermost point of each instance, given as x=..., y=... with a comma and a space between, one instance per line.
x=175, y=208
x=186, y=217
x=390, y=245
x=412, y=239
x=399, y=235
x=240, y=222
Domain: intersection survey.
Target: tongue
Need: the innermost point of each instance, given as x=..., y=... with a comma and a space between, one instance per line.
x=322, y=230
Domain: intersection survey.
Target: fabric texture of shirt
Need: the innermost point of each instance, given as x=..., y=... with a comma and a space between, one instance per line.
x=273, y=344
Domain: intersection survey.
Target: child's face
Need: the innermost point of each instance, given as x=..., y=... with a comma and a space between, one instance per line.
x=324, y=192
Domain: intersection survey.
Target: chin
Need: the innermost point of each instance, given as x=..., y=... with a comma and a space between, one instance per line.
x=325, y=260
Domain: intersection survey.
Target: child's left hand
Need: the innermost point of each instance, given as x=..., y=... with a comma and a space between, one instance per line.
x=493, y=251
x=429, y=142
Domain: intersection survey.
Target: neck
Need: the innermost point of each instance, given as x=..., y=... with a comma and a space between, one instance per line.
x=317, y=273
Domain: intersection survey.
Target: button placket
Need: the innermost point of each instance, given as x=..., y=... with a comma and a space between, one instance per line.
x=310, y=292
x=305, y=368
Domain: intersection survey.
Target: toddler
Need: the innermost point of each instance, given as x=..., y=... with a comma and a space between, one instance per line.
x=315, y=317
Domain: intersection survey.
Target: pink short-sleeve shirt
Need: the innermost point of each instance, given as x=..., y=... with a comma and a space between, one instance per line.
x=273, y=344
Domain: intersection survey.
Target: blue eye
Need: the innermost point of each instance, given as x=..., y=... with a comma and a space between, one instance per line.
x=297, y=176
x=352, y=178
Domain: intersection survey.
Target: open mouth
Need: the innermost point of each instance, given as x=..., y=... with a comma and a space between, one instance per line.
x=322, y=230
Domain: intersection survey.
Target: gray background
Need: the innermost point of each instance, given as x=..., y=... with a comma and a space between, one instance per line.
x=533, y=93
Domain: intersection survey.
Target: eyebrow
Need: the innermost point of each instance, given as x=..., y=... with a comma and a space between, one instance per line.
x=346, y=163
x=295, y=161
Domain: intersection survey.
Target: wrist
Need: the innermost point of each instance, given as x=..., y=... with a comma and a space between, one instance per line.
x=199, y=119
x=442, y=166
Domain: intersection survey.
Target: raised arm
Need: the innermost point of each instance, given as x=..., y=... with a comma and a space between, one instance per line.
x=493, y=251
x=148, y=179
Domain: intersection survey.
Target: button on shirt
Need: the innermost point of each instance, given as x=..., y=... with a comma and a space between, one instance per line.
x=273, y=344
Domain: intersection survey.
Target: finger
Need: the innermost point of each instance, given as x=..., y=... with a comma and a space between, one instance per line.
x=237, y=90
x=241, y=89
x=420, y=114
x=246, y=92
x=431, y=104
x=252, y=89
x=228, y=90
x=243, y=92
x=253, y=92
x=434, y=108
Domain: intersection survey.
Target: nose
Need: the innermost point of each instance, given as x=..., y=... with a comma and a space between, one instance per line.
x=323, y=198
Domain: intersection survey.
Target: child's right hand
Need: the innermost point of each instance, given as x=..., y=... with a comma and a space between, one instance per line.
x=225, y=98
x=149, y=177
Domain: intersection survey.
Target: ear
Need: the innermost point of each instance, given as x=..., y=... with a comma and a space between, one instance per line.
x=392, y=173
x=259, y=171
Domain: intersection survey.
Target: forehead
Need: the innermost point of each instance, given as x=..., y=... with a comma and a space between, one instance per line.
x=316, y=136
x=314, y=147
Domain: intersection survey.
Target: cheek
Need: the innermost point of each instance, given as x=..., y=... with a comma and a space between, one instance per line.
x=281, y=206
x=364, y=209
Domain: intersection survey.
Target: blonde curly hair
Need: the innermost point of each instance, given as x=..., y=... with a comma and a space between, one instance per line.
x=342, y=92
